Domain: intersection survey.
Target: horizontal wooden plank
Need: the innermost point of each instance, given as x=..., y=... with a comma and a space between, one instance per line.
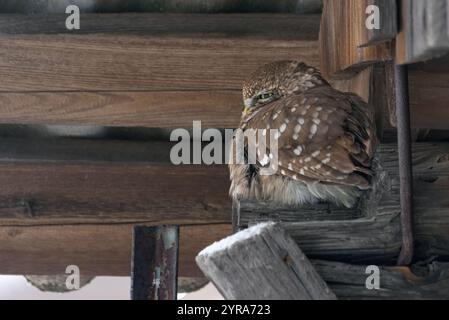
x=173, y=109
x=55, y=193
x=193, y=6
x=81, y=150
x=70, y=181
x=96, y=249
x=148, y=52
x=420, y=281
x=215, y=109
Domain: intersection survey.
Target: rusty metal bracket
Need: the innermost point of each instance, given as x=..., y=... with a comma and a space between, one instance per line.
x=405, y=163
x=155, y=263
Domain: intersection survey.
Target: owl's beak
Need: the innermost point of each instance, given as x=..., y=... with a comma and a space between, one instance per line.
x=248, y=104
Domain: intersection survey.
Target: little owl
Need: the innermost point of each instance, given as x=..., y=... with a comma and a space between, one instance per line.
x=326, y=138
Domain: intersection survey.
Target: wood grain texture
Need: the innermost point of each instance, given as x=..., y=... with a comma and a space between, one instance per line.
x=254, y=212
x=148, y=52
x=220, y=109
x=82, y=181
x=83, y=150
x=169, y=109
x=341, y=53
x=421, y=281
x=429, y=94
x=97, y=249
x=154, y=70
x=262, y=263
x=388, y=13
x=424, y=34
x=162, y=70
x=376, y=236
x=64, y=193
x=67, y=181
x=184, y=6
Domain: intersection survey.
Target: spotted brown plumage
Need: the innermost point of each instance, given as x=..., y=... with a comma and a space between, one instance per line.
x=326, y=138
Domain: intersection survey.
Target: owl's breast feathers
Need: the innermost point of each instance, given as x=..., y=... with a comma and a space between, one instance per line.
x=327, y=140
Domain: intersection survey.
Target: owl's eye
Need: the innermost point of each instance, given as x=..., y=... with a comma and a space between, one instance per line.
x=263, y=97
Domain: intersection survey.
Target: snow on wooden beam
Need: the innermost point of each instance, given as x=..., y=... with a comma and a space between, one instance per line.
x=262, y=262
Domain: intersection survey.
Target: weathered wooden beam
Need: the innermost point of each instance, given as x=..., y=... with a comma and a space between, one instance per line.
x=262, y=263
x=185, y=6
x=154, y=263
x=254, y=212
x=421, y=281
x=176, y=108
x=83, y=150
x=72, y=182
x=424, y=34
x=136, y=87
x=98, y=250
x=341, y=40
x=60, y=193
x=149, y=70
x=375, y=237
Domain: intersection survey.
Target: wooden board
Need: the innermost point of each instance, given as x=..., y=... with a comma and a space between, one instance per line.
x=217, y=109
x=83, y=181
x=141, y=69
x=55, y=193
x=421, y=281
x=424, y=34
x=169, y=109
x=185, y=6
x=387, y=18
x=429, y=93
x=341, y=50
x=96, y=249
x=262, y=263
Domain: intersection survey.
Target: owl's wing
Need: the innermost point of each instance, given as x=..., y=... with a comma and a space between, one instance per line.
x=325, y=135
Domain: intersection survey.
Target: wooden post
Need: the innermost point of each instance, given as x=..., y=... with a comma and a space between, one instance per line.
x=155, y=263
x=262, y=262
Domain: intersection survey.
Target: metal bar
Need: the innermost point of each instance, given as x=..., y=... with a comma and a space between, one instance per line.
x=235, y=216
x=155, y=263
x=405, y=163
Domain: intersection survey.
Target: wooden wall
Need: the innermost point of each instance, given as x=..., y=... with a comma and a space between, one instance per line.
x=75, y=199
